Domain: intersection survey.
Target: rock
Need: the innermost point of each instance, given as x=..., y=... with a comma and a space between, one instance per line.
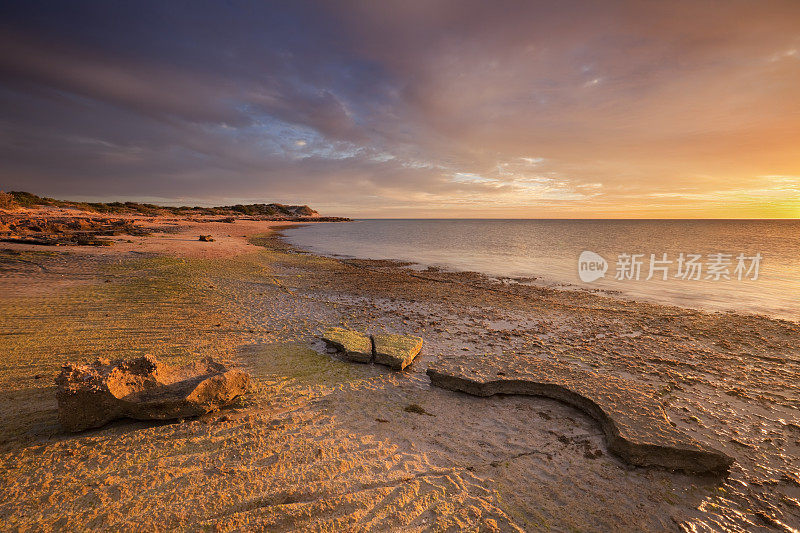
x=354, y=345
x=396, y=351
x=206, y=238
x=88, y=241
x=635, y=425
x=92, y=395
x=80, y=224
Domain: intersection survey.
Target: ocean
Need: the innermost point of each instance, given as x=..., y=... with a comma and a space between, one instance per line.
x=749, y=266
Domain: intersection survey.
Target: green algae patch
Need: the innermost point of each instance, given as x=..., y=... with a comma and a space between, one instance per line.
x=298, y=363
x=177, y=309
x=274, y=249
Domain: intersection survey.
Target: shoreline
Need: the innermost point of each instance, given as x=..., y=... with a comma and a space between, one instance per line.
x=613, y=294
x=319, y=443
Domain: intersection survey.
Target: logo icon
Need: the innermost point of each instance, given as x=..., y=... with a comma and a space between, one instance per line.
x=591, y=266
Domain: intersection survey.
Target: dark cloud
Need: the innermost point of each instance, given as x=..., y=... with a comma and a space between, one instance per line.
x=404, y=108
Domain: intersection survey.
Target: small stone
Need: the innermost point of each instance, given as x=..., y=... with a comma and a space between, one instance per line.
x=416, y=409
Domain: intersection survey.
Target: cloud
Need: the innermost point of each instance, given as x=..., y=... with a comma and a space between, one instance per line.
x=527, y=108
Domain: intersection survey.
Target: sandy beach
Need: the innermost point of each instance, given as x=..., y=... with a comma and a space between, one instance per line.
x=321, y=444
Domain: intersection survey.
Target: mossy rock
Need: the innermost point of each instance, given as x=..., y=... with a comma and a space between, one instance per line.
x=354, y=345
x=396, y=351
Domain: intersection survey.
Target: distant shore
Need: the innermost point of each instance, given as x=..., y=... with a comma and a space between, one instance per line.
x=320, y=443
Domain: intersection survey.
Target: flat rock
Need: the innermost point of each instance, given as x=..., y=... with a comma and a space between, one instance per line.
x=354, y=346
x=636, y=427
x=92, y=395
x=396, y=351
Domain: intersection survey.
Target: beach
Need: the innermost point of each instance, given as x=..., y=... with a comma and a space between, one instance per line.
x=323, y=444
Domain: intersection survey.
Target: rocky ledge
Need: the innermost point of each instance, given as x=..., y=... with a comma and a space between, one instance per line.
x=635, y=425
x=93, y=395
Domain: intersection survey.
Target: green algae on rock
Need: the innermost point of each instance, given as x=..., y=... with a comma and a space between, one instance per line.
x=396, y=351
x=354, y=345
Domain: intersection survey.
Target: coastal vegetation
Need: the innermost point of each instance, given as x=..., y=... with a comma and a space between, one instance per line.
x=17, y=199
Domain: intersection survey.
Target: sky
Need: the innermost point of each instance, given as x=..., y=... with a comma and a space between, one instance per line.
x=378, y=109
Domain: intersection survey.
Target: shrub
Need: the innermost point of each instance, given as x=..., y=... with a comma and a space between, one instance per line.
x=7, y=201
x=26, y=199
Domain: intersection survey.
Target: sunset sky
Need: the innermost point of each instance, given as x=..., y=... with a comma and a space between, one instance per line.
x=571, y=109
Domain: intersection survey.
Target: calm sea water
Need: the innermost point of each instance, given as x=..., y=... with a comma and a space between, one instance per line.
x=549, y=249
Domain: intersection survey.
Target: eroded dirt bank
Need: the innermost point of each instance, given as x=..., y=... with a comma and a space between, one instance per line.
x=321, y=444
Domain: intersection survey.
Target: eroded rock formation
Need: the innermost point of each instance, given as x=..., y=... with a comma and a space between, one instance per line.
x=635, y=424
x=92, y=395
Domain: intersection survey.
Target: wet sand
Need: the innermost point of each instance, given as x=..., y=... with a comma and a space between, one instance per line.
x=325, y=445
